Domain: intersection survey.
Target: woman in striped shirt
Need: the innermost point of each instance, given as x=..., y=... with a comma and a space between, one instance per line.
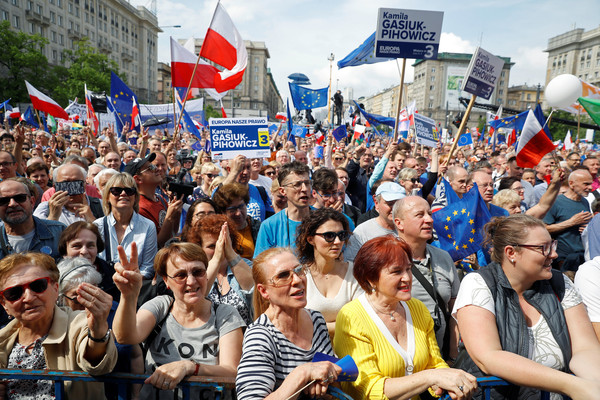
x=280, y=345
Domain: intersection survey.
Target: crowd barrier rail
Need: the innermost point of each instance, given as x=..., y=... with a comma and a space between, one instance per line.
x=487, y=383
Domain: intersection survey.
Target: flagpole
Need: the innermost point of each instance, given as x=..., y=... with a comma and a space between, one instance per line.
x=460, y=129
x=174, y=113
x=38, y=118
x=395, y=138
x=330, y=58
x=578, y=121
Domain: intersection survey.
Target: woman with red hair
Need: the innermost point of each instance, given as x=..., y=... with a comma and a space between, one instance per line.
x=389, y=334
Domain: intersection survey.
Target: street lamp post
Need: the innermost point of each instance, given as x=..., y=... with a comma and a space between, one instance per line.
x=330, y=58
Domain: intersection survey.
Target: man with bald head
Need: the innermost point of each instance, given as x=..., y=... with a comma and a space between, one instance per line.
x=457, y=177
x=301, y=156
x=70, y=203
x=20, y=231
x=567, y=218
x=414, y=224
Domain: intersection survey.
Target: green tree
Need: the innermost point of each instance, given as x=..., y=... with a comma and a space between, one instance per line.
x=21, y=59
x=85, y=65
x=210, y=112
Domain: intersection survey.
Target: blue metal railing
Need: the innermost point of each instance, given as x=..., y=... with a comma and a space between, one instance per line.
x=487, y=383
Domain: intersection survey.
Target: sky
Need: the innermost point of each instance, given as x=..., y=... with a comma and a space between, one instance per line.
x=301, y=34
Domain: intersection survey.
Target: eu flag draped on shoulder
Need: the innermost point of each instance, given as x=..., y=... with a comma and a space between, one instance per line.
x=459, y=225
x=364, y=54
x=305, y=98
x=122, y=100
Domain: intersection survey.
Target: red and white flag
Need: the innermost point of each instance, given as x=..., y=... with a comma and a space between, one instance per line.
x=319, y=137
x=512, y=138
x=41, y=102
x=534, y=144
x=222, y=109
x=182, y=68
x=281, y=115
x=136, y=120
x=91, y=114
x=224, y=45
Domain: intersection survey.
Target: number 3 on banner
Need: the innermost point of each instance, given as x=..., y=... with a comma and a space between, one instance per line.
x=263, y=137
x=429, y=52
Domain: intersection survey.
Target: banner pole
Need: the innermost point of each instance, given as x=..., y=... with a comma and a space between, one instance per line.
x=395, y=138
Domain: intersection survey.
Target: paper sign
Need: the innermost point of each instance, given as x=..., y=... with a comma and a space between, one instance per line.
x=232, y=136
x=483, y=73
x=408, y=33
x=425, y=130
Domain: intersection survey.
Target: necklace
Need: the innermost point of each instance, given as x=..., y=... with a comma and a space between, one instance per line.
x=391, y=313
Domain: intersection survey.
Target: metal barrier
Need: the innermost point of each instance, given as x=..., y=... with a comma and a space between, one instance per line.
x=487, y=383
x=216, y=384
x=123, y=380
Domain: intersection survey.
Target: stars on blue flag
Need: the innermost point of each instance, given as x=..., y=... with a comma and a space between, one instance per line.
x=375, y=119
x=122, y=100
x=340, y=133
x=459, y=225
x=299, y=131
x=465, y=139
x=305, y=98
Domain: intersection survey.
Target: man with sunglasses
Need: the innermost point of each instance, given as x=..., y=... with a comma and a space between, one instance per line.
x=165, y=216
x=20, y=231
x=414, y=224
x=70, y=203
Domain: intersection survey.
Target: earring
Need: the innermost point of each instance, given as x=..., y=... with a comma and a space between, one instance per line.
x=373, y=290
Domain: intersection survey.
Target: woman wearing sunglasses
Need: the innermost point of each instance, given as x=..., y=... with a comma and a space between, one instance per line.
x=209, y=172
x=280, y=345
x=45, y=336
x=329, y=281
x=184, y=335
x=524, y=322
x=123, y=226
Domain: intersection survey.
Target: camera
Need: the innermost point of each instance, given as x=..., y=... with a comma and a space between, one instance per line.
x=178, y=187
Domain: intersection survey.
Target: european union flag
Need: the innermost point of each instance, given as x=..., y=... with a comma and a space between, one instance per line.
x=364, y=54
x=29, y=117
x=375, y=119
x=122, y=100
x=465, y=139
x=273, y=130
x=459, y=225
x=305, y=98
x=299, y=131
x=451, y=196
x=5, y=104
x=340, y=133
x=513, y=122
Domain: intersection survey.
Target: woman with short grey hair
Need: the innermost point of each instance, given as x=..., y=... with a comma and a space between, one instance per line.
x=73, y=272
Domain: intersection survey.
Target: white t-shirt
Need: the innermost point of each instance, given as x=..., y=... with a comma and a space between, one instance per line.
x=587, y=281
x=543, y=348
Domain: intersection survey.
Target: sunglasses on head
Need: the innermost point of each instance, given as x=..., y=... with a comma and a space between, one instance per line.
x=116, y=191
x=14, y=293
x=330, y=236
x=19, y=198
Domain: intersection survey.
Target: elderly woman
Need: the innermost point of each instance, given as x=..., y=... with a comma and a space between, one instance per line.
x=280, y=345
x=391, y=335
x=329, y=281
x=39, y=173
x=123, y=226
x=229, y=276
x=187, y=335
x=523, y=321
x=232, y=200
x=44, y=336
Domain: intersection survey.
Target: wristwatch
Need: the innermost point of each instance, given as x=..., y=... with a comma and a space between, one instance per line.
x=235, y=261
x=102, y=340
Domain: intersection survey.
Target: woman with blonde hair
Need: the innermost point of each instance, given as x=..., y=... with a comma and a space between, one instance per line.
x=208, y=172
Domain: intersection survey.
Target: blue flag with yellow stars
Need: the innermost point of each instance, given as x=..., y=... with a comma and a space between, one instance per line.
x=375, y=119
x=459, y=225
x=122, y=100
x=305, y=98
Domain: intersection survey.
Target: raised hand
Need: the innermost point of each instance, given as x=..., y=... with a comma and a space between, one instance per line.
x=97, y=304
x=127, y=276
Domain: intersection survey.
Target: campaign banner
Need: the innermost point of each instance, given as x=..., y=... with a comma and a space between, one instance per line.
x=425, y=131
x=483, y=73
x=232, y=136
x=404, y=33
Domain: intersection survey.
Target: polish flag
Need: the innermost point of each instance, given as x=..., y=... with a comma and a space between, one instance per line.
x=224, y=45
x=182, y=67
x=534, y=144
x=44, y=103
x=512, y=138
x=91, y=114
x=319, y=137
x=136, y=120
x=281, y=116
x=222, y=109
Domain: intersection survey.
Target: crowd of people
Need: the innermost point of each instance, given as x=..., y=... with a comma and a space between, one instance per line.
x=137, y=253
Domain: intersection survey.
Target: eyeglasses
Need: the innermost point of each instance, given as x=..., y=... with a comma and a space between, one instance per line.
x=270, y=173
x=338, y=158
x=330, y=236
x=233, y=209
x=116, y=191
x=518, y=189
x=574, y=159
x=182, y=276
x=330, y=195
x=151, y=167
x=414, y=180
x=546, y=249
x=14, y=293
x=298, y=184
x=73, y=299
x=284, y=278
x=211, y=176
x=19, y=198
x=6, y=164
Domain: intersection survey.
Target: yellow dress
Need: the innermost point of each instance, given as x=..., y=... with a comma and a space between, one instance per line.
x=377, y=354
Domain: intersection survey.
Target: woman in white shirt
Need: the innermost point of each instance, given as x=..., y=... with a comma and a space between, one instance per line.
x=512, y=317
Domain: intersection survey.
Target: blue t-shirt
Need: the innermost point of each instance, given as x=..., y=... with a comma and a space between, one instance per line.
x=257, y=208
x=276, y=231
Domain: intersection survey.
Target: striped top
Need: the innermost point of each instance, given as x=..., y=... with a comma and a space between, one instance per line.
x=268, y=357
x=357, y=335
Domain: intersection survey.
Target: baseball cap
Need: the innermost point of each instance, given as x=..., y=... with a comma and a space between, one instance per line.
x=136, y=165
x=390, y=191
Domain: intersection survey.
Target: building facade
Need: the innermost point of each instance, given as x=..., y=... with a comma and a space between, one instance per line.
x=523, y=97
x=164, y=89
x=257, y=95
x=126, y=34
x=576, y=52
